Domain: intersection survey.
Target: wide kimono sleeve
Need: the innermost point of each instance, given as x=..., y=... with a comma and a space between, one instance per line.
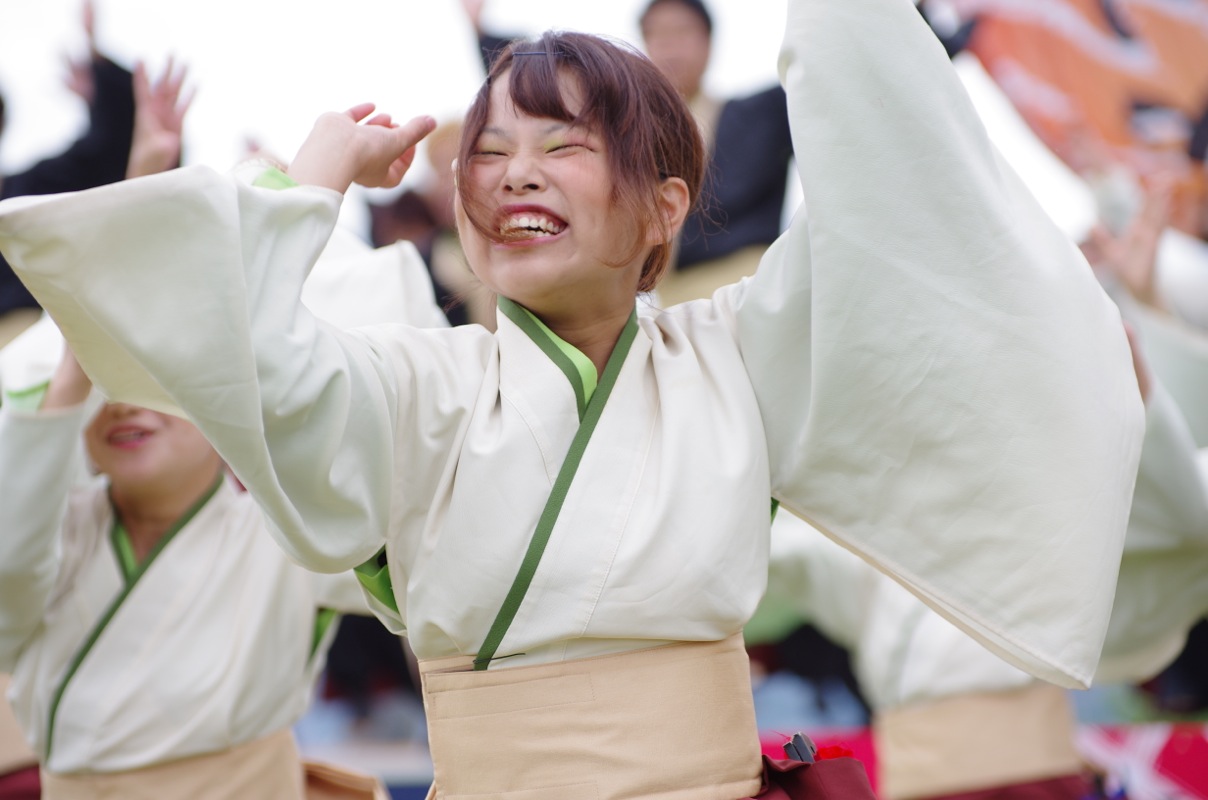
x=1163, y=586
x=37, y=454
x=180, y=292
x=945, y=388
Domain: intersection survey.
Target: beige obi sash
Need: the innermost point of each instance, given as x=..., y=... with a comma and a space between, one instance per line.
x=266, y=769
x=976, y=741
x=668, y=723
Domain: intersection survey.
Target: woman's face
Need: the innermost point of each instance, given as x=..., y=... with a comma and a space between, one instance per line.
x=547, y=190
x=141, y=450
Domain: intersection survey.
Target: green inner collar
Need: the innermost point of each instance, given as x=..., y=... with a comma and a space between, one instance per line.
x=577, y=367
x=124, y=548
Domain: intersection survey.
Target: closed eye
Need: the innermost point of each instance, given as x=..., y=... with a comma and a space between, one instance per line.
x=485, y=156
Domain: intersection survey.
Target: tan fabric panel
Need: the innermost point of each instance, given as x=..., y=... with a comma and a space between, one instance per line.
x=268, y=769
x=668, y=723
x=975, y=741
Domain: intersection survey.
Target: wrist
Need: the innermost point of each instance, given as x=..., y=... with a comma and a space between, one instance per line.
x=65, y=394
x=327, y=157
x=151, y=159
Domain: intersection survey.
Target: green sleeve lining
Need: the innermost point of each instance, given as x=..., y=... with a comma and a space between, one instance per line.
x=374, y=575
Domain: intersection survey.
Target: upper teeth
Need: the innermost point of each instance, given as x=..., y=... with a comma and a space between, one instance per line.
x=531, y=222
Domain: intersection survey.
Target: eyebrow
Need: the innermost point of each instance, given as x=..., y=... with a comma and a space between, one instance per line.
x=500, y=132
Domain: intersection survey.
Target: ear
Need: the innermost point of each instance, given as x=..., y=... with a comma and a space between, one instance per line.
x=673, y=204
x=460, y=220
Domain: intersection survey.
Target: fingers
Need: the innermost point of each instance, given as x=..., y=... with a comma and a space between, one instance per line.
x=473, y=11
x=89, y=24
x=382, y=121
x=164, y=97
x=184, y=103
x=360, y=111
x=407, y=137
x=1158, y=200
x=78, y=79
x=171, y=80
x=415, y=130
x=376, y=153
x=410, y=133
x=142, y=86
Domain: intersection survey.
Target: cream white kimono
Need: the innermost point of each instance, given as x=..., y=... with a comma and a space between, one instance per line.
x=903, y=654
x=215, y=641
x=924, y=367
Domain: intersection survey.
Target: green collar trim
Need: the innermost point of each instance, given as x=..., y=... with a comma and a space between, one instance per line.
x=553, y=506
x=123, y=548
x=132, y=579
x=274, y=178
x=577, y=367
x=29, y=399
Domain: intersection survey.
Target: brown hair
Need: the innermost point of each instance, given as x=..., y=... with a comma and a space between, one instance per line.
x=648, y=131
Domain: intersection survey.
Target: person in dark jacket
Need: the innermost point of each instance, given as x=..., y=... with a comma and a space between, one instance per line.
x=97, y=157
x=750, y=150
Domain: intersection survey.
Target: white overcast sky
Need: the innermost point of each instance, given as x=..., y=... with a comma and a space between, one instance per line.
x=267, y=68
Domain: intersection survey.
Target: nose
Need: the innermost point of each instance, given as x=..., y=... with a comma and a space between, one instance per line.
x=522, y=175
x=120, y=410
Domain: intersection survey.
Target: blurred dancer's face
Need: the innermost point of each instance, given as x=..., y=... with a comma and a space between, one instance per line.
x=143, y=451
x=677, y=41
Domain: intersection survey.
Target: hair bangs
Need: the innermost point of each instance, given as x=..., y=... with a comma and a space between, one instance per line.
x=533, y=85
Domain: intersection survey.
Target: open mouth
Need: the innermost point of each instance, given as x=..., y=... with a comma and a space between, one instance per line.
x=530, y=225
x=127, y=437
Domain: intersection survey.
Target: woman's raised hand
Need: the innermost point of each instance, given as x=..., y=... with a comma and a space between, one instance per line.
x=1132, y=256
x=354, y=147
x=160, y=104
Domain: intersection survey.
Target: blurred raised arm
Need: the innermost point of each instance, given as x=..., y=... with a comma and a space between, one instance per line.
x=160, y=105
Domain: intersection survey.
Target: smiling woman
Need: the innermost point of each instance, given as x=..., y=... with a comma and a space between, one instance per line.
x=576, y=153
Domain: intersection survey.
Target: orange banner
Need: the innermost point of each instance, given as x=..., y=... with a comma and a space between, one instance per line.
x=1125, y=80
